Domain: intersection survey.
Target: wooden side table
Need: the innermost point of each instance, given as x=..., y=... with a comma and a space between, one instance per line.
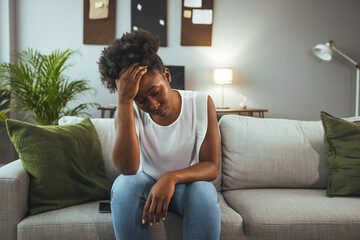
x=241, y=111
x=104, y=109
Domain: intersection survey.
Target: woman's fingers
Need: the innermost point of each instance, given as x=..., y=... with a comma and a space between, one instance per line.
x=140, y=74
x=130, y=71
x=126, y=71
x=154, y=211
x=165, y=210
x=146, y=210
x=136, y=72
x=159, y=209
x=132, y=67
x=127, y=84
x=151, y=212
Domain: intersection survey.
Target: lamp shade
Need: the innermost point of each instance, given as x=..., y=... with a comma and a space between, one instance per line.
x=223, y=75
x=323, y=51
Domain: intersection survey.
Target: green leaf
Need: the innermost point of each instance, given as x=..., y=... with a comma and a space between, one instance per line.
x=38, y=85
x=3, y=117
x=3, y=102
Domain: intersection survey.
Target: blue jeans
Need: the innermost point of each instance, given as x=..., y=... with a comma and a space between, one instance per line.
x=197, y=202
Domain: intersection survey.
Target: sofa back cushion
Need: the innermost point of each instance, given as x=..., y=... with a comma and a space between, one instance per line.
x=105, y=129
x=263, y=153
x=278, y=153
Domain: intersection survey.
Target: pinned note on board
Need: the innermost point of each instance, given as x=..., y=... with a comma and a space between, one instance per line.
x=187, y=13
x=193, y=3
x=99, y=9
x=196, y=22
x=202, y=16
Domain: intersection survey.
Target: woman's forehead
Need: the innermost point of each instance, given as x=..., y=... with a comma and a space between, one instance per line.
x=150, y=79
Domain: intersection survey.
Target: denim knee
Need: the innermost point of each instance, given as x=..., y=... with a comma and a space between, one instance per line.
x=201, y=191
x=128, y=196
x=202, y=212
x=130, y=185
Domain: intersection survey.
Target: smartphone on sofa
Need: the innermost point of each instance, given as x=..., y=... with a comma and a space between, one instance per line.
x=104, y=207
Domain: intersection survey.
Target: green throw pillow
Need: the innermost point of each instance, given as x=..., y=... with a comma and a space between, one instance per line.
x=65, y=163
x=342, y=151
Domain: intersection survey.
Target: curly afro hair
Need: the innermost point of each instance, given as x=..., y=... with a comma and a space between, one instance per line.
x=138, y=46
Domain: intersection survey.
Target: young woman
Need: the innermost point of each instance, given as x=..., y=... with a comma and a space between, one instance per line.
x=167, y=144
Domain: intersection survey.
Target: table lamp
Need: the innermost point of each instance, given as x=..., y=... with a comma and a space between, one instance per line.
x=223, y=76
x=325, y=52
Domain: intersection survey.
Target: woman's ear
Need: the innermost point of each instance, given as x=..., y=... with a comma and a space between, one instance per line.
x=167, y=75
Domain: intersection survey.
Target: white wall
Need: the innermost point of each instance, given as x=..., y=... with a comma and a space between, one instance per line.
x=7, y=42
x=5, y=31
x=267, y=43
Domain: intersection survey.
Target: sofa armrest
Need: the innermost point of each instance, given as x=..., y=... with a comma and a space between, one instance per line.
x=14, y=188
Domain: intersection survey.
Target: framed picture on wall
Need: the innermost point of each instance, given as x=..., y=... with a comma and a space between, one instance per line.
x=196, y=22
x=177, y=77
x=151, y=16
x=99, y=29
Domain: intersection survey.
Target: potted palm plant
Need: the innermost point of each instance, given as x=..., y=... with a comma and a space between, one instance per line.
x=39, y=86
x=3, y=117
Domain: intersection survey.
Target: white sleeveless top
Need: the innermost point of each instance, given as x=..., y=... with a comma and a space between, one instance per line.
x=176, y=146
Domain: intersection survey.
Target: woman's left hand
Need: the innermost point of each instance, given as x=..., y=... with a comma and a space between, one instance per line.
x=159, y=199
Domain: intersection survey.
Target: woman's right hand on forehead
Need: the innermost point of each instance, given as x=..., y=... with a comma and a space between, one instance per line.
x=128, y=81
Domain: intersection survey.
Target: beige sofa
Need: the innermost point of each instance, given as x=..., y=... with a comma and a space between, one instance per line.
x=271, y=186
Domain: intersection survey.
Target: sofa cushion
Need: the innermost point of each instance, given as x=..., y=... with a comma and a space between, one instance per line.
x=342, y=149
x=105, y=129
x=64, y=163
x=260, y=153
x=231, y=222
x=295, y=214
x=85, y=222
x=75, y=222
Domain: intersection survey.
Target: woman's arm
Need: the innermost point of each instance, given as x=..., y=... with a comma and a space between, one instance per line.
x=126, y=153
x=206, y=170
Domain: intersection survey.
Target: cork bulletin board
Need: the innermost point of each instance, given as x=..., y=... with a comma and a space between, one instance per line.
x=196, y=22
x=150, y=15
x=99, y=31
